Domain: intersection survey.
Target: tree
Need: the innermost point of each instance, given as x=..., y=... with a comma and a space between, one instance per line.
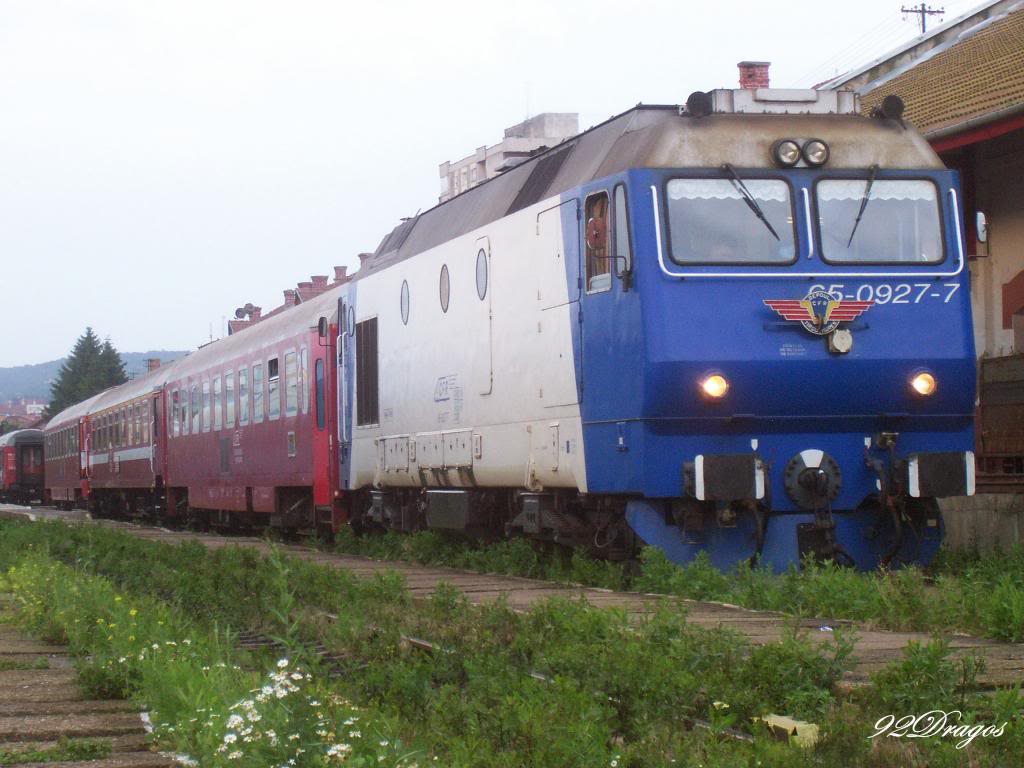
x=90, y=368
x=111, y=365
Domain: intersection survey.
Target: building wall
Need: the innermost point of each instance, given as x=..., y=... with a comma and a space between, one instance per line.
x=520, y=141
x=999, y=183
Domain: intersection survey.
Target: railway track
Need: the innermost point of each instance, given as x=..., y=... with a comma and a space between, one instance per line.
x=873, y=648
x=45, y=718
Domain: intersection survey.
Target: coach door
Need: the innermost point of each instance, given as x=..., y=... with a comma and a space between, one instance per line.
x=84, y=441
x=558, y=298
x=315, y=383
x=343, y=390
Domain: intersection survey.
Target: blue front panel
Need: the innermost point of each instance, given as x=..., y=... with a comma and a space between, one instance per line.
x=645, y=351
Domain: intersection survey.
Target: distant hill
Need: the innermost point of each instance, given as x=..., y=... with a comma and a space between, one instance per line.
x=34, y=380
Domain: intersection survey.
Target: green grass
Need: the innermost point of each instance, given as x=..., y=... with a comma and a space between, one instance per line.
x=564, y=685
x=65, y=750
x=11, y=664
x=979, y=595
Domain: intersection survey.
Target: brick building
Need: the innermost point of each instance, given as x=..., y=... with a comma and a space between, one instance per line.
x=963, y=87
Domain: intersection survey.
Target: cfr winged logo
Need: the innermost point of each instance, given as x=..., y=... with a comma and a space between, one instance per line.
x=819, y=312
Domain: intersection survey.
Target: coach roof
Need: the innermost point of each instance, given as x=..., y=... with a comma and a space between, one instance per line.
x=19, y=435
x=257, y=338
x=73, y=413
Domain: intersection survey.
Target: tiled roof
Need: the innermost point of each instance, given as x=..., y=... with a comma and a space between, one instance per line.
x=977, y=76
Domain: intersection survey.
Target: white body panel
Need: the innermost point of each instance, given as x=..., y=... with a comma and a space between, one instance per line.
x=483, y=395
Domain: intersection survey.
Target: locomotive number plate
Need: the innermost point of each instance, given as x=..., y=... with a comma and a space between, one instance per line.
x=889, y=293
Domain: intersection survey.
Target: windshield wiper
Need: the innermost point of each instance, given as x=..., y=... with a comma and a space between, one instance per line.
x=749, y=199
x=863, y=203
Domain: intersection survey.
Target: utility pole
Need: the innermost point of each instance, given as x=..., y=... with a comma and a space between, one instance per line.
x=924, y=11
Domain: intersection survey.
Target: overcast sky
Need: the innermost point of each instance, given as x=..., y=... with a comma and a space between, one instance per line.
x=162, y=163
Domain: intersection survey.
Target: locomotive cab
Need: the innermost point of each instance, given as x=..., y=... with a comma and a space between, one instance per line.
x=786, y=279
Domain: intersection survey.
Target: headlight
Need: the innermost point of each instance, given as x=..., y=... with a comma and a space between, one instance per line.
x=715, y=386
x=815, y=152
x=786, y=152
x=923, y=384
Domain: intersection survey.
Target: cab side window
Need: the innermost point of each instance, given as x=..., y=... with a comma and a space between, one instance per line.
x=623, y=254
x=598, y=263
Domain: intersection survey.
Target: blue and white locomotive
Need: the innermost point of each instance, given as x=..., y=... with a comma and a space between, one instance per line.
x=741, y=327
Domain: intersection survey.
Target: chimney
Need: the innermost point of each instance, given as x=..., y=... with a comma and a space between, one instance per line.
x=152, y=363
x=319, y=282
x=339, y=274
x=254, y=313
x=289, y=297
x=363, y=257
x=754, y=74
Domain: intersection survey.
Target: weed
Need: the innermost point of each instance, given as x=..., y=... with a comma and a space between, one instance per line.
x=65, y=750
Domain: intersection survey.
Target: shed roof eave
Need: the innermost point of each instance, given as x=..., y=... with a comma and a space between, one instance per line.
x=978, y=128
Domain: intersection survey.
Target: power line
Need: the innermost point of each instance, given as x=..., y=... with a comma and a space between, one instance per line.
x=924, y=11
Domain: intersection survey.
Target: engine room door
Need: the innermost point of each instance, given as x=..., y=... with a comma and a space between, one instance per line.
x=557, y=255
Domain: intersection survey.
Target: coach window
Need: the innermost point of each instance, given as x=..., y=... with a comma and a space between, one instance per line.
x=598, y=264
x=196, y=420
x=318, y=372
x=229, y=400
x=304, y=379
x=291, y=385
x=183, y=401
x=174, y=427
x=207, y=421
x=367, y=396
x=243, y=396
x=146, y=419
x=273, y=389
x=257, y=393
x=218, y=404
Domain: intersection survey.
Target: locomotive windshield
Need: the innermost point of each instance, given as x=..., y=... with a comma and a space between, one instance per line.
x=899, y=221
x=711, y=222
